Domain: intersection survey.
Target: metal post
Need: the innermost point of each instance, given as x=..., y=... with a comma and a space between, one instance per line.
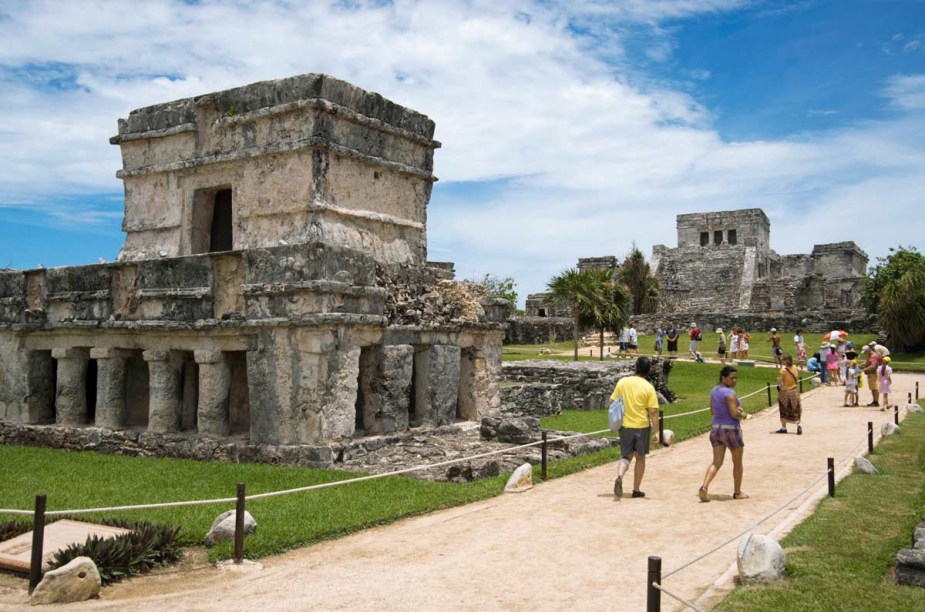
x=896, y=414
x=661, y=427
x=38, y=542
x=769, y=395
x=653, y=595
x=870, y=436
x=239, y=526
x=543, y=455
x=831, y=462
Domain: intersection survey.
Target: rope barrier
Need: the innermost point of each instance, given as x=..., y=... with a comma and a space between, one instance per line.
x=672, y=595
x=779, y=509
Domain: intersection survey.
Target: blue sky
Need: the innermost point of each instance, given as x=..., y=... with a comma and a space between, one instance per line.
x=570, y=129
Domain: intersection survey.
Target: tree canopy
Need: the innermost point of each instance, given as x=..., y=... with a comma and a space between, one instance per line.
x=594, y=297
x=895, y=293
x=641, y=284
x=498, y=287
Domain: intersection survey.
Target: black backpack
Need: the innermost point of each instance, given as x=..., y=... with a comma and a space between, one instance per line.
x=699, y=336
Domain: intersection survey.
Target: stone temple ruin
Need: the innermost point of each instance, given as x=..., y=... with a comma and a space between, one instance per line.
x=272, y=297
x=724, y=271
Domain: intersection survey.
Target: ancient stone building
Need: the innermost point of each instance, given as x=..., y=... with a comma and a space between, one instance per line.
x=724, y=271
x=272, y=291
x=724, y=265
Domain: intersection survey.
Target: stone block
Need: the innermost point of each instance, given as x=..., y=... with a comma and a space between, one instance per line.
x=78, y=580
x=521, y=480
x=865, y=466
x=223, y=527
x=436, y=374
x=385, y=387
x=760, y=559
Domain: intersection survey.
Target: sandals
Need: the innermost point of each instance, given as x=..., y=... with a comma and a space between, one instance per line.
x=739, y=495
x=703, y=495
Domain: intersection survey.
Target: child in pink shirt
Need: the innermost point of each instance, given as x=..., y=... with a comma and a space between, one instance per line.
x=831, y=364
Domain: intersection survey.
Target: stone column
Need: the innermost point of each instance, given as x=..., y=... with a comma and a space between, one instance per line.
x=214, y=383
x=385, y=381
x=110, y=387
x=165, y=388
x=436, y=374
x=71, y=392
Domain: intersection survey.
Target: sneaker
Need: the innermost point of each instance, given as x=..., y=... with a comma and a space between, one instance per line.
x=874, y=404
x=618, y=486
x=638, y=494
x=799, y=430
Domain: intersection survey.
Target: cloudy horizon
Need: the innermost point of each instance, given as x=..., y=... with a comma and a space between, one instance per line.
x=569, y=129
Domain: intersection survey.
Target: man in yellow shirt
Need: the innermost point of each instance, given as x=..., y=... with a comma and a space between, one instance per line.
x=640, y=416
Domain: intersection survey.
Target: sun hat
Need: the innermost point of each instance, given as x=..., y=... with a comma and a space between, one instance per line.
x=825, y=345
x=887, y=360
x=850, y=344
x=693, y=325
x=854, y=362
x=866, y=348
x=773, y=329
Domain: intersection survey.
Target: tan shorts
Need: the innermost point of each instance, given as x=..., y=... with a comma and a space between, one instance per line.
x=872, y=382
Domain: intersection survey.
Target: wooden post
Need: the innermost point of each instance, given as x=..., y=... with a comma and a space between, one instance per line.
x=661, y=427
x=896, y=414
x=831, y=466
x=543, y=455
x=653, y=595
x=769, y=395
x=239, y=526
x=38, y=542
x=870, y=436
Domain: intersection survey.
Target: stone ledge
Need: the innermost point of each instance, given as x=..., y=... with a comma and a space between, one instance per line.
x=250, y=152
x=312, y=286
x=152, y=134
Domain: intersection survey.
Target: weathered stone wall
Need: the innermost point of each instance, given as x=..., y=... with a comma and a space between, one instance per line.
x=538, y=330
x=694, y=278
x=752, y=227
x=343, y=166
x=540, y=305
x=570, y=385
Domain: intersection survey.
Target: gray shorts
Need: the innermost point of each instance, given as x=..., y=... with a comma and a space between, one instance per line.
x=633, y=440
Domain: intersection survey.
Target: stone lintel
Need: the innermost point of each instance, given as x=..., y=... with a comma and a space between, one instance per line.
x=208, y=356
x=155, y=355
x=70, y=353
x=109, y=353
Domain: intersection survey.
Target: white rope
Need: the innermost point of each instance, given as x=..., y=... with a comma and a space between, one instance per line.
x=226, y=500
x=325, y=485
x=743, y=532
x=670, y=594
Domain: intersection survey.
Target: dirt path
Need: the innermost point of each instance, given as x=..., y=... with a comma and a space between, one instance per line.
x=565, y=544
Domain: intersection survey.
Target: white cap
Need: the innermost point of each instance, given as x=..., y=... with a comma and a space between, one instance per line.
x=773, y=329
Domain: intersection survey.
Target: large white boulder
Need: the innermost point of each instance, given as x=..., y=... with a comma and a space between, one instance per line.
x=889, y=428
x=521, y=480
x=863, y=465
x=910, y=408
x=223, y=527
x=79, y=580
x=667, y=438
x=760, y=559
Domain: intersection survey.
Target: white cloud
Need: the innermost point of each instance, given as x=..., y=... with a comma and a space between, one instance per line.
x=540, y=94
x=906, y=92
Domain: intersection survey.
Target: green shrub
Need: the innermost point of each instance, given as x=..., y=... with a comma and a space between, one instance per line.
x=146, y=546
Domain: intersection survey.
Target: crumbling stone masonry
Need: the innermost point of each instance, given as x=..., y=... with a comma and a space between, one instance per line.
x=272, y=292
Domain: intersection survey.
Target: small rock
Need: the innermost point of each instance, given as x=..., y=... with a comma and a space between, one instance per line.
x=888, y=429
x=865, y=466
x=667, y=438
x=223, y=527
x=521, y=480
x=910, y=408
x=760, y=559
x=79, y=580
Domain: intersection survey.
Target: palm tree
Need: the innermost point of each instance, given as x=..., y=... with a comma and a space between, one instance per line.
x=611, y=313
x=595, y=299
x=579, y=291
x=643, y=287
x=902, y=308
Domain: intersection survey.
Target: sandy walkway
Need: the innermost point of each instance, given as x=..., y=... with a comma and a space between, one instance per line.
x=566, y=544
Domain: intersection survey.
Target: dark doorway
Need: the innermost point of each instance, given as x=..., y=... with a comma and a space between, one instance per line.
x=90, y=387
x=221, y=238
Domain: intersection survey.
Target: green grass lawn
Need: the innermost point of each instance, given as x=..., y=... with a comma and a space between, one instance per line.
x=85, y=479
x=841, y=557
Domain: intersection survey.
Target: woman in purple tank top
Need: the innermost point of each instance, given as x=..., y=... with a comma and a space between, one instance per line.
x=725, y=432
